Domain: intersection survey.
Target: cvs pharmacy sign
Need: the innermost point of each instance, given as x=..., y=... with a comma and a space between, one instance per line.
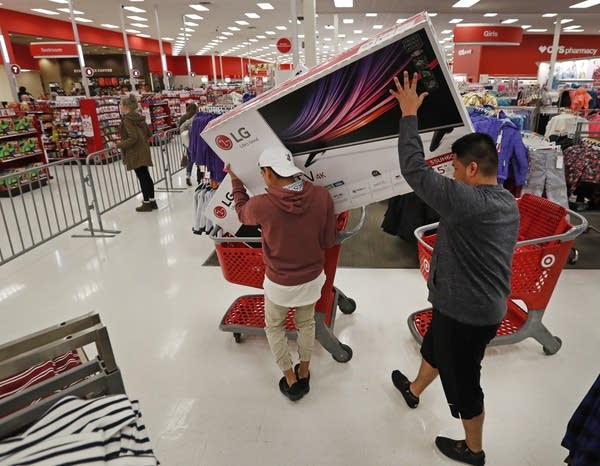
x=562, y=50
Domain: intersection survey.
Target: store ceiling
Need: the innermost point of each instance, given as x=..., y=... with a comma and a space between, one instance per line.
x=254, y=40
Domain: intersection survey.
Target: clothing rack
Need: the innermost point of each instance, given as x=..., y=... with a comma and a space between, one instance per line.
x=580, y=134
x=96, y=377
x=216, y=109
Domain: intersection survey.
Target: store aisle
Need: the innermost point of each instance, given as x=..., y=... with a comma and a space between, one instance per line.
x=210, y=401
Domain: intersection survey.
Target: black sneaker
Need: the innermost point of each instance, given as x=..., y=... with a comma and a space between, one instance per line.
x=145, y=207
x=294, y=393
x=403, y=385
x=154, y=205
x=188, y=181
x=459, y=451
x=304, y=382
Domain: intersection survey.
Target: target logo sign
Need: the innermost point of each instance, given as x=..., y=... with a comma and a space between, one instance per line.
x=223, y=142
x=15, y=69
x=220, y=212
x=426, y=265
x=548, y=261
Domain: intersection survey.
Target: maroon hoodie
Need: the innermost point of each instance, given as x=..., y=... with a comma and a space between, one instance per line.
x=297, y=226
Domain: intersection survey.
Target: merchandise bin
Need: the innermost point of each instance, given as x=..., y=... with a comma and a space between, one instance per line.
x=243, y=265
x=543, y=245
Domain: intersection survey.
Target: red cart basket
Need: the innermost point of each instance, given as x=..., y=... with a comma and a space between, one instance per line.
x=543, y=246
x=243, y=265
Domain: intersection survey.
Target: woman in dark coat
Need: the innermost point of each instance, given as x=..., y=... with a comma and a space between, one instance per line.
x=136, y=149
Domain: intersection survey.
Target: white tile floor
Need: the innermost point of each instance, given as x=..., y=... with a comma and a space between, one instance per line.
x=210, y=401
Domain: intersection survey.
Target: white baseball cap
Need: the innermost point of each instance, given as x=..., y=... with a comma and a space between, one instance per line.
x=280, y=160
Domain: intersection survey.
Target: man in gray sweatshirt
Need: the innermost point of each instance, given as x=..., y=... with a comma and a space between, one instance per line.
x=469, y=280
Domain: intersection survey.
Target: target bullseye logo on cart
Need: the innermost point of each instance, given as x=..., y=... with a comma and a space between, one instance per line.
x=220, y=212
x=426, y=265
x=548, y=261
x=224, y=142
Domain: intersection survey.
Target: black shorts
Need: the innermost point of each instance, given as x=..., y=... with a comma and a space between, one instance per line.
x=456, y=350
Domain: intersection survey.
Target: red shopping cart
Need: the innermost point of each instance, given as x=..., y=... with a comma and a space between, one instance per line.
x=543, y=246
x=243, y=265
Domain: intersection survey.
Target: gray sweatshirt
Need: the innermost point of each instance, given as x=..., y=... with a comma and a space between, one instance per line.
x=469, y=277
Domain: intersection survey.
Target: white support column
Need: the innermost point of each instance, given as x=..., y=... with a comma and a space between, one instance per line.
x=555, y=45
x=221, y=66
x=336, y=31
x=187, y=58
x=6, y=59
x=84, y=78
x=295, y=41
x=214, y=68
x=132, y=79
x=163, y=57
x=310, y=28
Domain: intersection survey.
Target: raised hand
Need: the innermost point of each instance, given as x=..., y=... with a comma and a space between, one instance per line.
x=407, y=96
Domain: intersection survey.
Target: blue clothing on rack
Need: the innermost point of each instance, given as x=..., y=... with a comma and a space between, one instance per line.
x=200, y=151
x=512, y=153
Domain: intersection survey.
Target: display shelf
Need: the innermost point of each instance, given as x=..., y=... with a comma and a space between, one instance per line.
x=12, y=135
x=20, y=144
x=102, y=121
x=158, y=114
x=23, y=187
x=21, y=157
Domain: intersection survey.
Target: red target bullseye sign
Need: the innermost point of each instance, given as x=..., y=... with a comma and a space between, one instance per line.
x=284, y=45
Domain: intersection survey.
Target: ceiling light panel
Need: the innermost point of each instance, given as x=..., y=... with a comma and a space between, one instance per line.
x=83, y=20
x=194, y=16
x=510, y=21
x=75, y=12
x=281, y=28
x=199, y=7
x=586, y=4
x=265, y=6
x=371, y=15
x=64, y=2
x=133, y=31
x=134, y=9
x=252, y=15
x=243, y=23
x=137, y=18
x=490, y=15
x=455, y=21
x=45, y=12
x=139, y=25
x=343, y=3
x=110, y=26
x=348, y=21
x=190, y=23
x=548, y=15
x=465, y=3
x=378, y=26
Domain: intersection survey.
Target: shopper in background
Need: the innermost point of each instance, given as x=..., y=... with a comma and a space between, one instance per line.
x=136, y=149
x=185, y=122
x=24, y=92
x=298, y=224
x=469, y=278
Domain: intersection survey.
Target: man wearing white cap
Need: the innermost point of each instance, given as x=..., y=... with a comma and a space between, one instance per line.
x=298, y=224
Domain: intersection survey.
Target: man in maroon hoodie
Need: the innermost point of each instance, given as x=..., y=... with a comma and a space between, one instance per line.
x=298, y=224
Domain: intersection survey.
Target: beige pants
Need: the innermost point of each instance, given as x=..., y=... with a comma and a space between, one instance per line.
x=275, y=316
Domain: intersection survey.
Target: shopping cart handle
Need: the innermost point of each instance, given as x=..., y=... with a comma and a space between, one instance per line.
x=344, y=235
x=420, y=232
x=569, y=235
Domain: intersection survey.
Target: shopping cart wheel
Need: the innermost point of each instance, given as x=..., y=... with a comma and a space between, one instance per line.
x=573, y=256
x=237, y=337
x=346, y=305
x=549, y=352
x=344, y=356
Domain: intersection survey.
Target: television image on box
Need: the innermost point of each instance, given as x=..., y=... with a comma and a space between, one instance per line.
x=352, y=105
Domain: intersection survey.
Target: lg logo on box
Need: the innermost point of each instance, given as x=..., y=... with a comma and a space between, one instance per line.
x=220, y=212
x=225, y=143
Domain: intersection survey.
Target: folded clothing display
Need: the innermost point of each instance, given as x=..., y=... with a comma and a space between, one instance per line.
x=107, y=430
